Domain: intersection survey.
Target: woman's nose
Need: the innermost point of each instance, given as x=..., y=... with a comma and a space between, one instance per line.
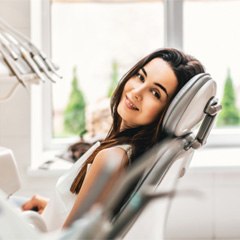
x=137, y=93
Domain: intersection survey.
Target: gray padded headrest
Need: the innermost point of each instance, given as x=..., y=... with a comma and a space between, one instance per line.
x=187, y=108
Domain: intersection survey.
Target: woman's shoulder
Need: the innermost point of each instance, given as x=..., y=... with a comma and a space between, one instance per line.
x=116, y=153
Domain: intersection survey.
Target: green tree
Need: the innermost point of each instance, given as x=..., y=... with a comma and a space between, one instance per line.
x=114, y=79
x=74, y=114
x=229, y=116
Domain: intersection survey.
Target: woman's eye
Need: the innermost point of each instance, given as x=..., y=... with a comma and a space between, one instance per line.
x=156, y=94
x=140, y=76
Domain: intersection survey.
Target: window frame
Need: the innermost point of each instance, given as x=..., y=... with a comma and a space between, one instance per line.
x=173, y=36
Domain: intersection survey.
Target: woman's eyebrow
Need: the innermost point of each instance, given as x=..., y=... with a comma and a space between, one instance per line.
x=162, y=87
x=157, y=84
x=144, y=71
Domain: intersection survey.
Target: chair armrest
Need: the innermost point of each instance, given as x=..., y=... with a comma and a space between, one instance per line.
x=10, y=179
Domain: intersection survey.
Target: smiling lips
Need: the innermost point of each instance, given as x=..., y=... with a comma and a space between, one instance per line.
x=130, y=104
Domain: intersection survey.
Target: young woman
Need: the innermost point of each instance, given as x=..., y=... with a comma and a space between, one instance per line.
x=138, y=106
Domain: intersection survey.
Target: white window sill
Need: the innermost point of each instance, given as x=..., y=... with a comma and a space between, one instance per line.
x=51, y=165
x=50, y=160
x=205, y=159
x=216, y=158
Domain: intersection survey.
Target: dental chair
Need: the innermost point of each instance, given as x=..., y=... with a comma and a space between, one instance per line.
x=188, y=122
x=152, y=179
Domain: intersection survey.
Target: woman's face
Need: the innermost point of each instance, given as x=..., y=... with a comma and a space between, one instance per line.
x=146, y=94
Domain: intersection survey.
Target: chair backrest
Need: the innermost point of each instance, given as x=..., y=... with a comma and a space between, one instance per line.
x=161, y=166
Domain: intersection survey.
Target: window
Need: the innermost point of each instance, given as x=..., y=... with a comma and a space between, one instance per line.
x=96, y=43
x=212, y=34
x=96, y=38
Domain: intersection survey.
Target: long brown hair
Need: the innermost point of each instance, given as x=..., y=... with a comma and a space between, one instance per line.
x=142, y=138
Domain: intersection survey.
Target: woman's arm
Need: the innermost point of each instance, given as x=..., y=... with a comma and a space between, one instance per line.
x=115, y=154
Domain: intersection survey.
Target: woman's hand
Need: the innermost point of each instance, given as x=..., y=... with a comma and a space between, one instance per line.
x=36, y=203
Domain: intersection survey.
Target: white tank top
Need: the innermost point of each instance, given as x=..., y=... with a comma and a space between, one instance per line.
x=127, y=148
x=62, y=201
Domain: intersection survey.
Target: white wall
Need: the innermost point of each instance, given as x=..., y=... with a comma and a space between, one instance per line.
x=15, y=125
x=15, y=114
x=215, y=213
x=214, y=216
